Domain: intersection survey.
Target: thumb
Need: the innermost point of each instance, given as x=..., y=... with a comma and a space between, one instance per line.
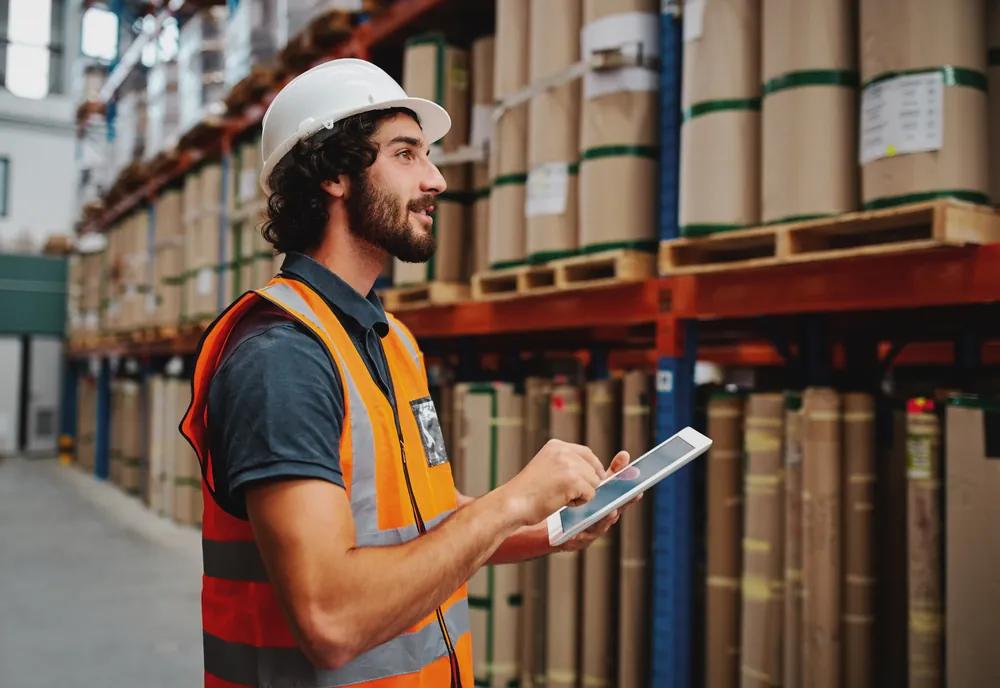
x=619, y=462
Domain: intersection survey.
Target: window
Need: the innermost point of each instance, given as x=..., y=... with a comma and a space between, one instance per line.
x=31, y=35
x=4, y=187
x=99, y=34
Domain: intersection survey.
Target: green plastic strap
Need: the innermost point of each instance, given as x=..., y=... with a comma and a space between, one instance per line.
x=793, y=401
x=798, y=218
x=994, y=57
x=482, y=193
x=505, y=264
x=541, y=257
x=479, y=602
x=643, y=245
x=190, y=482
x=514, y=600
x=700, y=229
x=263, y=254
x=651, y=152
x=953, y=76
x=728, y=105
x=463, y=197
x=727, y=394
x=906, y=199
x=812, y=77
x=976, y=402
x=511, y=179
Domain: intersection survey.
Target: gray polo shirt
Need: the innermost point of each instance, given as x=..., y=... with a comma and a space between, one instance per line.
x=276, y=405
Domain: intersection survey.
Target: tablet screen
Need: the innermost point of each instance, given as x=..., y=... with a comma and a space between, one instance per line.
x=626, y=479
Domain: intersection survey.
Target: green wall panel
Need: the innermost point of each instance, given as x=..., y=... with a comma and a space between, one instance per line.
x=32, y=294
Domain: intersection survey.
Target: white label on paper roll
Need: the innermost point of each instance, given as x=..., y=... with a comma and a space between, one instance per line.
x=248, y=185
x=347, y=5
x=636, y=34
x=902, y=115
x=694, y=19
x=547, y=189
x=204, y=284
x=91, y=320
x=130, y=291
x=482, y=125
x=150, y=303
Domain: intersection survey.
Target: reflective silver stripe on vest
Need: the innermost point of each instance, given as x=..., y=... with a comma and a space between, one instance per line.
x=363, y=489
x=245, y=665
x=406, y=342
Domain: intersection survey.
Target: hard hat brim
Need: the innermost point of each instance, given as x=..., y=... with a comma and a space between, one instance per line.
x=434, y=121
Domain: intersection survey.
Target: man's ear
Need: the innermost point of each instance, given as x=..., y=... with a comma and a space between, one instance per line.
x=337, y=187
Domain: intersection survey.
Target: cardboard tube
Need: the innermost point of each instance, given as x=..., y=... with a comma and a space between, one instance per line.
x=793, y=676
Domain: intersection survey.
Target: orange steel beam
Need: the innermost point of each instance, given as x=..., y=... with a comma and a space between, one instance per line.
x=941, y=277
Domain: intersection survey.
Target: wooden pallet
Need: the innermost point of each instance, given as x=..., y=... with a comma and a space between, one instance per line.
x=506, y=283
x=918, y=227
x=423, y=295
x=602, y=269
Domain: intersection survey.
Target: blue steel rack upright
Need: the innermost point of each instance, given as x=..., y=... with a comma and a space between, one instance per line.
x=673, y=552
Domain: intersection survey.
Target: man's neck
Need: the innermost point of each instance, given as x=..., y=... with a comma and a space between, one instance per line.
x=353, y=260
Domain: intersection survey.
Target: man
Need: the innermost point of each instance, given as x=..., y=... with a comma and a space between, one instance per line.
x=336, y=548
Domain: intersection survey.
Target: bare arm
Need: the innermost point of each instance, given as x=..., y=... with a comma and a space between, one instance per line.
x=342, y=600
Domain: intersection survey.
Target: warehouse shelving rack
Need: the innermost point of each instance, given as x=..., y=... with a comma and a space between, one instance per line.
x=818, y=318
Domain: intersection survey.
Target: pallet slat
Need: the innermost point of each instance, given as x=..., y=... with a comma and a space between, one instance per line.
x=423, y=295
x=917, y=227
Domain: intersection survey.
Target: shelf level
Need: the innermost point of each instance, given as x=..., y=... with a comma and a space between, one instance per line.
x=941, y=277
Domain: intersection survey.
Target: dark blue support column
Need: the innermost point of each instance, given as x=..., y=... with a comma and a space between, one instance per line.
x=468, y=360
x=68, y=411
x=815, y=351
x=599, y=361
x=102, y=441
x=968, y=359
x=671, y=59
x=673, y=527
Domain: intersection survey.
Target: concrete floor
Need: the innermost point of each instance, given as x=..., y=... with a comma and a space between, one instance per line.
x=95, y=591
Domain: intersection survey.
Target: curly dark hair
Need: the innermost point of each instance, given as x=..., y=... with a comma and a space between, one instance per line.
x=297, y=210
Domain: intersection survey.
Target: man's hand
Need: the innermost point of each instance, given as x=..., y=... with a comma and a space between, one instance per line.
x=596, y=531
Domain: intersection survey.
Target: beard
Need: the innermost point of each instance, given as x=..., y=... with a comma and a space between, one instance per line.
x=384, y=221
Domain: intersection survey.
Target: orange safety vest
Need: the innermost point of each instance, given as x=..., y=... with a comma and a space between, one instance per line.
x=397, y=490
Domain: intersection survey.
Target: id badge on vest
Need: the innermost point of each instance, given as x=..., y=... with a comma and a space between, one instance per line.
x=430, y=431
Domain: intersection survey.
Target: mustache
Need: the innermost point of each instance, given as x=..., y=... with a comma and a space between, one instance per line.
x=421, y=204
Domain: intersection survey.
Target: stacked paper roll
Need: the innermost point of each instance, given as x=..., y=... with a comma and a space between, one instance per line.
x=763, y=547
x=858, y=506
x=792, y=627
x=923, y=133
x=725, y=524
x=481, y=130
x=993, y=73
x=821, y=537
x=509, y=150
x=720, y=137
x=551, y=204
x=809, y=120
x=619, y=130
x=435, y=70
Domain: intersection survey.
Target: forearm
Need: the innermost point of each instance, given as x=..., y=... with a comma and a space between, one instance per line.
x=389, y=589
x=527, y=543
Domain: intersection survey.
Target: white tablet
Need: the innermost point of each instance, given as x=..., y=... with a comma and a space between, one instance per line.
x=637, y=477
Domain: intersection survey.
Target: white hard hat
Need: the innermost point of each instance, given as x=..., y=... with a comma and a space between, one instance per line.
x=331, y=92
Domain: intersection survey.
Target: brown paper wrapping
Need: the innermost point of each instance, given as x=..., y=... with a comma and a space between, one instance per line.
x=554, y=125
x=924, y=524
x=483, y=66
x=426, y=58
x=479, y=256
x=187, y=496
x=533, y=572
x=562, y=614
x=821, y=538
x=927, y=34
x=509, y=150
x=86, y=423
x=725, y=528
x=720, y=151
x=858, y=509
x=972, y=484
x=809, y=146
x=634, y=539
x=763, y=545
x=451, y=227
x=792, y=628
x=993, y=74
x=603, y=431
x=618, y=192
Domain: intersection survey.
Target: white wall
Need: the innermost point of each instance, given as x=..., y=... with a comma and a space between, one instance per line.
x=38, y=138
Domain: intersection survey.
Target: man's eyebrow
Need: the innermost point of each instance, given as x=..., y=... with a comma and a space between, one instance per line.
x=409, y=140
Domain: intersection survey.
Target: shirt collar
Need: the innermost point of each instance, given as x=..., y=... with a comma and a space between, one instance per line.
x=366, y=311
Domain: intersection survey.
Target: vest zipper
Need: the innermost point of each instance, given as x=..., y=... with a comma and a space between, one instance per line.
x=422, y=528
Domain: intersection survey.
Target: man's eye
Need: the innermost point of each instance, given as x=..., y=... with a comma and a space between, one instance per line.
x=405, y=154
